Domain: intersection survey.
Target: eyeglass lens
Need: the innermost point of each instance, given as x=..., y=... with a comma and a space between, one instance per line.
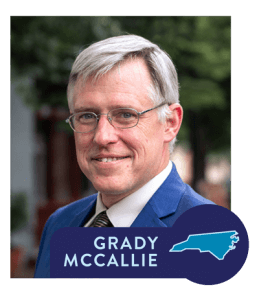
x=120, y=118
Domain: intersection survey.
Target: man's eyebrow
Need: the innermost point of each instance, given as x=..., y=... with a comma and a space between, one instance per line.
x=82, y=109
x=97, y=110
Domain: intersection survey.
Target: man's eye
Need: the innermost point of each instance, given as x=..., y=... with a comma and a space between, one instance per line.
x=87, y=116
x=126, y=115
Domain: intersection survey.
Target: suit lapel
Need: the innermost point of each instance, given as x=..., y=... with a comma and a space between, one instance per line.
x=163, y=203
x=148, y=218
x=80, y=219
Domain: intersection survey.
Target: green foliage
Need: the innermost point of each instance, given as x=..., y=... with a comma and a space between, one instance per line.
x=19, y=211
x=196, y=94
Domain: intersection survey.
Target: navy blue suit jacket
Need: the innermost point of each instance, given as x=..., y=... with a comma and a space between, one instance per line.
x=172, y=199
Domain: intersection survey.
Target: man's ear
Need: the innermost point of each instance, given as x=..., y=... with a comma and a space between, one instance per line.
x=173, y=122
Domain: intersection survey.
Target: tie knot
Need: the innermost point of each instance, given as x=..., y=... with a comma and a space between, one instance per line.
x=101, y=220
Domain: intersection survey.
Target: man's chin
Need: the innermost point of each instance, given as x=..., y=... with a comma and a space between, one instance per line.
x=113, y=189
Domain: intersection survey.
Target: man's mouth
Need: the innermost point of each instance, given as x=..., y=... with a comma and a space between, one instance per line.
x=110, y=159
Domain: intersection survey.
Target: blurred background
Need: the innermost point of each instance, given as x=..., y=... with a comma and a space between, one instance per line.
x=44, y=171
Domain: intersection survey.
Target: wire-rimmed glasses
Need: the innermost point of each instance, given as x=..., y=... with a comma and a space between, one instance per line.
x=123, y=118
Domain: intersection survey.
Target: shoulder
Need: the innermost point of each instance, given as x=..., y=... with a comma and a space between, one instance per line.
x=74, y=208
x=64, y=214
x=174, y=197
x=190, y=198
x=61, y=218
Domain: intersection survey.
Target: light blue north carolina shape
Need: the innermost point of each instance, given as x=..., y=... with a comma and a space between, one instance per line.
x=217, y=243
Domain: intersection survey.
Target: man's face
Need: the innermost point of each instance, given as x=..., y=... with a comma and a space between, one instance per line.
x=138, y=153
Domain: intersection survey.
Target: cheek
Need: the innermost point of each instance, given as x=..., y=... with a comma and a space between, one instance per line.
x=150, y=136
x=82, y=148
x=81, y=141
x=134, y=141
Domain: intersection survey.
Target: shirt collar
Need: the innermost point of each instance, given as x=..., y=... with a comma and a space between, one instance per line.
x=124, y=212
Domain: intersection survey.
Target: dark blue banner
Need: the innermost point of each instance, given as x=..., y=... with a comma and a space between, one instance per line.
x=208, y=245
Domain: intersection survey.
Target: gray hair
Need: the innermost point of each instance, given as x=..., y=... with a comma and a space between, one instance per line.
x=101, y=57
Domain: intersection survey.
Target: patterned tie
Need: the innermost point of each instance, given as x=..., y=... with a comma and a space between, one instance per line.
x=101, y=220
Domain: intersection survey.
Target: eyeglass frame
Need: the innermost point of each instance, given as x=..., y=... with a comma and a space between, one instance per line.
x=68, y=120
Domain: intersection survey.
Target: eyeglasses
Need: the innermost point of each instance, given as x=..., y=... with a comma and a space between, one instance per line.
x=122, y=118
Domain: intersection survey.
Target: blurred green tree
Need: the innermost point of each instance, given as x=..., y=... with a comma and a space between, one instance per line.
x=19, y=211
x=44, y=48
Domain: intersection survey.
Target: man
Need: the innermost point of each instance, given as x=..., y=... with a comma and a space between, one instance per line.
x=125, y=113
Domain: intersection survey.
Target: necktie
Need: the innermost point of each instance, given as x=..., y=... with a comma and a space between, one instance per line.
x=101, y=220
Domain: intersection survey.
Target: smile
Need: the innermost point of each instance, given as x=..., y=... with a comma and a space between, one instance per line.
x=110, y=159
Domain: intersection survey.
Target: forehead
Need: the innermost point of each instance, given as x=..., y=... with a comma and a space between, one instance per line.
x=129, y=80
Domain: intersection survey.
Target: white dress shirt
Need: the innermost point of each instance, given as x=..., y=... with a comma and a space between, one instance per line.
x=124, y=212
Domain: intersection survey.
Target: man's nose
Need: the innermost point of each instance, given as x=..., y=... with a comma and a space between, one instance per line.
x=105, y=133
